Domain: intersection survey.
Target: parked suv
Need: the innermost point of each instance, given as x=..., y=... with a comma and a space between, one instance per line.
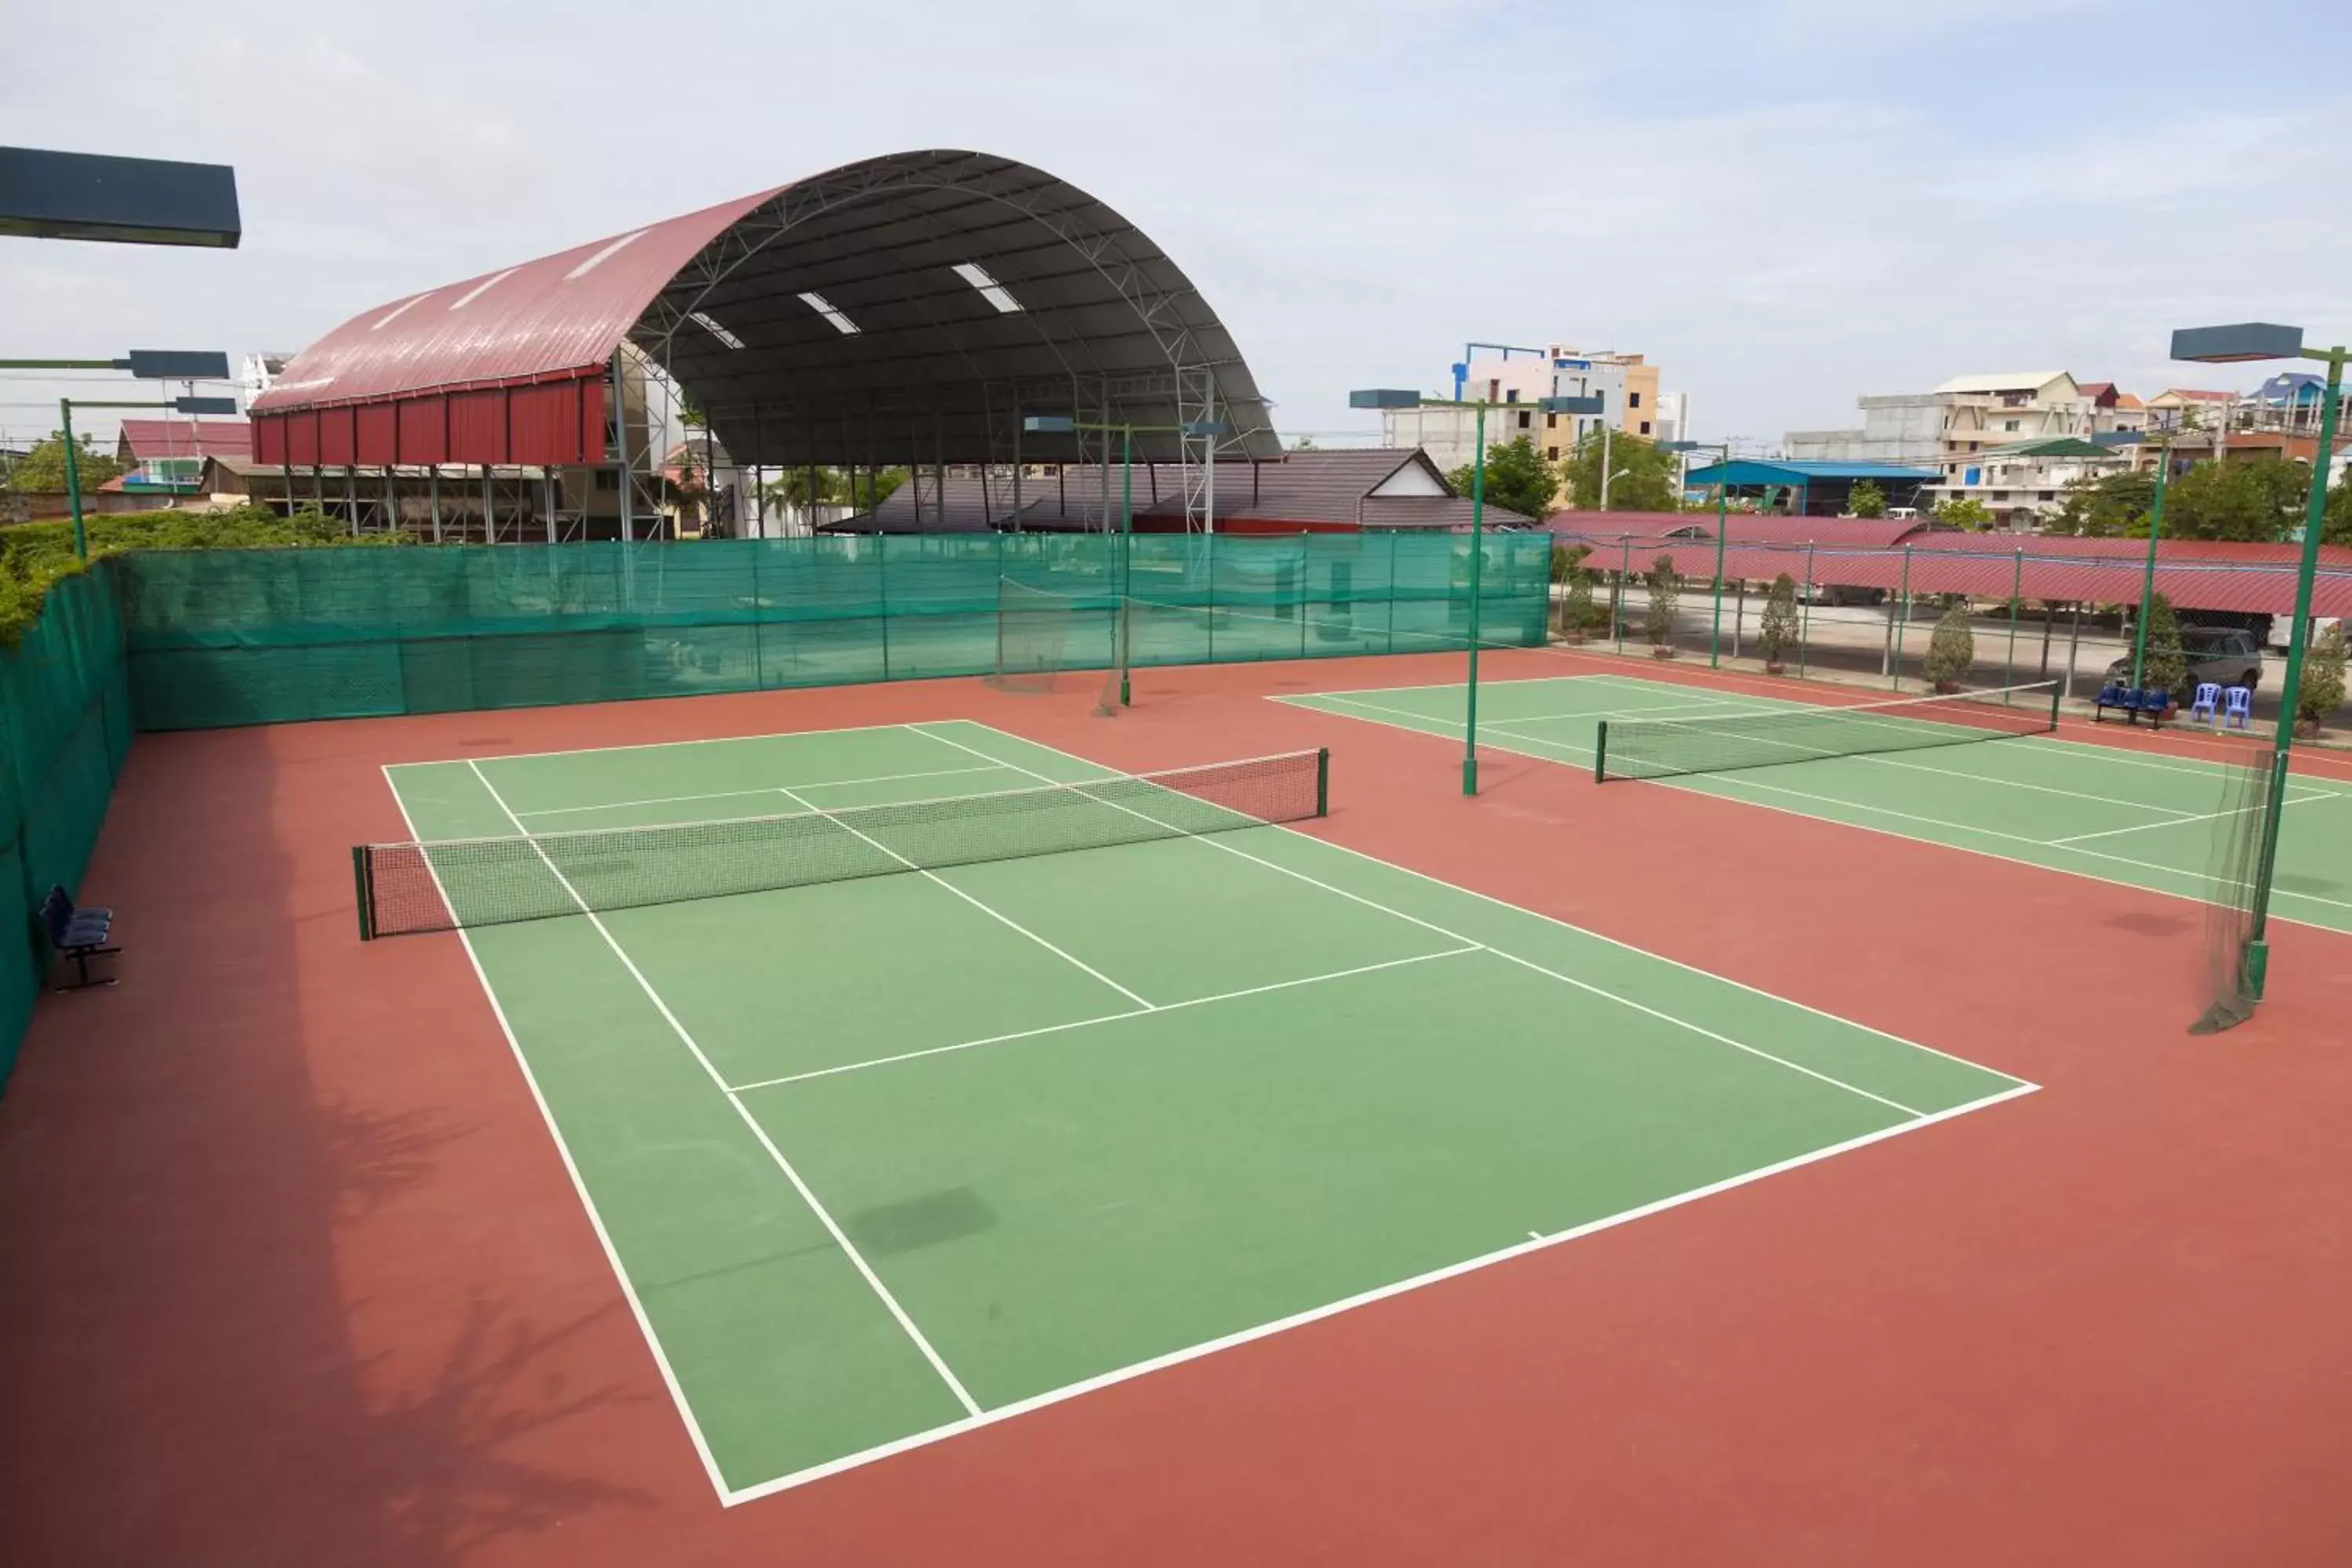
x=2226, y=656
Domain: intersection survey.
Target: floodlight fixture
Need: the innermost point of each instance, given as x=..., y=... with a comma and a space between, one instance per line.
x=2231, y=344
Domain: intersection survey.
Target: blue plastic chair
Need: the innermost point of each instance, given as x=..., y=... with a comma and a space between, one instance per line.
x=2153, y=702
x=2208, y=703
x=2238, y=708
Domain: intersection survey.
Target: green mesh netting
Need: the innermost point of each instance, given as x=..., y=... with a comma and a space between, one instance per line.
x=65, y=727
x=223, y=637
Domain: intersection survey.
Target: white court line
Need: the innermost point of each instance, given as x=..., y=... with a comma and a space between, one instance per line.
x=1536, y=1242
x=1432, y=686
x=925, y=871
x=1216, y=843
x=734, y=793
x=2061, y=745
x=840, y=1237
x=2206, y=816
x=2015, y=838
x=1597, y=936
x=1104, y=1018
x=571, y=1169
x=653, y=745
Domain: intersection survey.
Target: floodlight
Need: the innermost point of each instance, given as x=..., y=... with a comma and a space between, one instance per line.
x=1383, y=397
x=2245, y=341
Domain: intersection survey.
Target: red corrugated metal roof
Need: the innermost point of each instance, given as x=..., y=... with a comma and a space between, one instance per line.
x=1740, y=526
x=187, y=439
x=2194, y=575
x=561, y=315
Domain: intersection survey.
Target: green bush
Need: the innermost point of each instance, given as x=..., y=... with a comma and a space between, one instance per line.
x=34, y=555
x=1867, y=500
x=1665, y=591
x=2166, y=668
x=1779, y=631
x=2323, y=678
x=1951, y=647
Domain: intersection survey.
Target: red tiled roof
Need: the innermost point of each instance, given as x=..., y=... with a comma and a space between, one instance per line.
x=2195, y=575
x=149, y=438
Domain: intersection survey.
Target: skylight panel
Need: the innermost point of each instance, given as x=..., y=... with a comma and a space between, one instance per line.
x=995, y=293
x=702, y=319
x=823, y=307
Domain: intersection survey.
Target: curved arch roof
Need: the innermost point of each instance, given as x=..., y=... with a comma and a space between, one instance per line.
x=1107, y=326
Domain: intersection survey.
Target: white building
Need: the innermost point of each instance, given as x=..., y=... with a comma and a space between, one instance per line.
x=1904, y=428
x=1626, y=384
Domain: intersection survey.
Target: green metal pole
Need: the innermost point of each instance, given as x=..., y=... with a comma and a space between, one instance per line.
x=1617, y=599
x=1805, y=615
x=1127, y=560
x=1477, y=553
x=2016, y=588
x=73, y=479
x=2147, y=575
x=2315, y=519
x=1722, y=510
x=1903, y=610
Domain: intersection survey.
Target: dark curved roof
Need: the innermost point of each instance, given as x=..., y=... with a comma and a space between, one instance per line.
x=1110, y=328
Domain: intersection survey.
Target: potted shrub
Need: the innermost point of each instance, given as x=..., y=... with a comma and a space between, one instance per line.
x=1951, y=649
x=1663, y=592
x=1779, y=632
x=1577, y=611
x=2323, y=682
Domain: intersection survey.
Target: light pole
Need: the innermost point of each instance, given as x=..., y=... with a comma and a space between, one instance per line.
x=1722, y=449
x=1063, y=425
x=1393, y=397
x=66, y=405
x=2257, y=340
x=145, y=364
x=2148, y=578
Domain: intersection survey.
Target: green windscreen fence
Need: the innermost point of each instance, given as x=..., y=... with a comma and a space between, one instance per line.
x=220, y=638
x=65, y=728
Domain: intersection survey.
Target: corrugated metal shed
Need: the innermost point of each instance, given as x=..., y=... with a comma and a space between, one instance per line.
x=1319, y=490
x=905, y=308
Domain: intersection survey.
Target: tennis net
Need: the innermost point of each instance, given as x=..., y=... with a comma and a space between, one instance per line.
x=1721, y=743
x=462, y=883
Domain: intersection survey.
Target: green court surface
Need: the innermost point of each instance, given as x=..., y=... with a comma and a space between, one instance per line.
x=2097, y=811
x=882, y=1160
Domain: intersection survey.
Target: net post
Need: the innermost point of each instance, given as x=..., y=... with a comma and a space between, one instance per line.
x=363, y=884
x=2057, y=694
x=1322, y=781
x=1601, y=754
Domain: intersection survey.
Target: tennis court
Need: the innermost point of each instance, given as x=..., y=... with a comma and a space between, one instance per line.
x=883, y=1157
x=2146, y=821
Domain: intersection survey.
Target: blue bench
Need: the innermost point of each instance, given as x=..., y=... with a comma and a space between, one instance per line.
x=79, y=935
x=2132, y=701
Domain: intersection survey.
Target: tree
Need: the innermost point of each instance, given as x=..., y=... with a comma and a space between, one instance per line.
x=1518, y=478
x=1866, y=500
x=2250, y=499
x=42, y=470
x=1951, y=647
x=1664, y=590
x=2337, y=529
x=1646, y=478
x=1780, y=630
x=2323, y=678
x=2165, y=666
x=1963, y=511
x=2110, y=506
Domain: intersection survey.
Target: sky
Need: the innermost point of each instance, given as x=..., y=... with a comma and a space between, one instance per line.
x=1786, y=203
